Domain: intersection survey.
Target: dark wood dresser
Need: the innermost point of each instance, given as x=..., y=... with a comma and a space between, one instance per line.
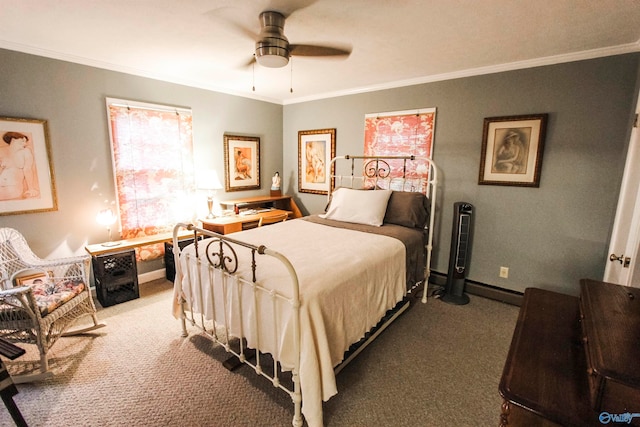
x=574, y=361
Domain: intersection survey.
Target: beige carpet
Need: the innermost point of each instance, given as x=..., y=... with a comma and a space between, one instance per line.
x=437, y=365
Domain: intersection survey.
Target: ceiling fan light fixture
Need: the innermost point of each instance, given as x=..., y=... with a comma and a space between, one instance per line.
x=273, y=61
x=272, y=48
x=271, y=56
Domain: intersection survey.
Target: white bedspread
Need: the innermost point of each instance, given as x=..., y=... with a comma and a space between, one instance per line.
x=348, y=280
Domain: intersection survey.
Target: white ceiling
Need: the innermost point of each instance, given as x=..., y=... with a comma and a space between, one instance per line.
x=394, y=43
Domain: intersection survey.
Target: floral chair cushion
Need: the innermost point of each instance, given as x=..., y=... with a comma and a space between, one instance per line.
x=51, y=294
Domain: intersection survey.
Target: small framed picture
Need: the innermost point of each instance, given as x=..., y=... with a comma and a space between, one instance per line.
x=32, y=279
x=26, y=172
x=512, y=150
x=241, y=163
x=316, y=149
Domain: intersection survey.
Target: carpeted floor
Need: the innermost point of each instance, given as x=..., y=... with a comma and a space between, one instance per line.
x=437, y=365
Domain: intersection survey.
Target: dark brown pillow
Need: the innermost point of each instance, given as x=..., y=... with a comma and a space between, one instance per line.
x=407, y=209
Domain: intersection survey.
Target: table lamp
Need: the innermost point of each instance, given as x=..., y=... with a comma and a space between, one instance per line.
x=107, y=218
x=209, y=181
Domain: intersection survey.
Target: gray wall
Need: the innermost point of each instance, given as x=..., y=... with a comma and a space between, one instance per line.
x=71, y=98
x=549, y=236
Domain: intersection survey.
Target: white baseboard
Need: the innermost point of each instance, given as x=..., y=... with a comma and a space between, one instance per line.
x=152, y=275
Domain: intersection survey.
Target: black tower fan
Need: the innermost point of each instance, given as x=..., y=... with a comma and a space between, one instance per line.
x=459, y=254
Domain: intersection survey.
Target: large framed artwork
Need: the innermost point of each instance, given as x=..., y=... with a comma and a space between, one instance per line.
x=316, y=148
x=27, y=183
x=241, y=163
x=401, y=133
x=512, y=150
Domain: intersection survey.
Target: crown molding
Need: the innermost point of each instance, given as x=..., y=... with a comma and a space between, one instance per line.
x=519, y=65
x=127, y=70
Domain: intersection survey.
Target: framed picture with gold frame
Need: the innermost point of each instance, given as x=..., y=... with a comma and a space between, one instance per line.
x=32, y=279
x=241, y=163
x=512, y=150
x=26, y=172
x=316, y=149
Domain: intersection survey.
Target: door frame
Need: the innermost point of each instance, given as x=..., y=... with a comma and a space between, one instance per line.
x=625, y=235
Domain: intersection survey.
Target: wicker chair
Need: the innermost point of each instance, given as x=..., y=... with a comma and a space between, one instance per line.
x=40, y=299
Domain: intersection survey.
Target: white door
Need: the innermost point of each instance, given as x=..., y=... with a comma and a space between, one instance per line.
x=624, y=248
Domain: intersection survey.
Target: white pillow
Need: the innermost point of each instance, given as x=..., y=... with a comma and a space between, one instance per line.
x=358, y=206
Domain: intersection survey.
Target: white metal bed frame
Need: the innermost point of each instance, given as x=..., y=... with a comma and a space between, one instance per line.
x=377, y=170
x=219, y=254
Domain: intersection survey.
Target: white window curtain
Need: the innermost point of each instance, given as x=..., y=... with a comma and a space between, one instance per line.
x=153, y=168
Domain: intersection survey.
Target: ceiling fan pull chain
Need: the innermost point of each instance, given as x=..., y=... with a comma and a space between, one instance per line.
x=291, y=85
x=253, y=71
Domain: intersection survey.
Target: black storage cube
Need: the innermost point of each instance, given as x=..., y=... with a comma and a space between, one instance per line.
x=169, y=260
x=116, y=277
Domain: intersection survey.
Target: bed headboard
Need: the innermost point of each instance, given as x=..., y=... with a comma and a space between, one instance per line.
x=398, y=173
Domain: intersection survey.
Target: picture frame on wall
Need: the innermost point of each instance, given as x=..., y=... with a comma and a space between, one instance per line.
x=241, y=163
x=402, y=133
x=512, y=148
x=27, y=183
x=316, y=149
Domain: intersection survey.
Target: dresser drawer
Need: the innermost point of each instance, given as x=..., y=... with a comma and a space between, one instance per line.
x=609, y=316
x=544, y=380
x=594, y=380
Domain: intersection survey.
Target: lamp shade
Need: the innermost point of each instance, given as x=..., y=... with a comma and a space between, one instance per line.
x=208, y=180
x=106, y=217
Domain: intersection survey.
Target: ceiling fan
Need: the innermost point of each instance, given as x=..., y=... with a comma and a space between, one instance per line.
x=273, y=49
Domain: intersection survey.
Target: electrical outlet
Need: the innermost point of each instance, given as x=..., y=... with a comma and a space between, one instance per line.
x=504, y=272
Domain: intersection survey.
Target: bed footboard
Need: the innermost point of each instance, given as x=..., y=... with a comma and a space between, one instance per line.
x=223, y=276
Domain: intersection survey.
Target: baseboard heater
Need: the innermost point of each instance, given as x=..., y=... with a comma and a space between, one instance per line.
x=472, y=287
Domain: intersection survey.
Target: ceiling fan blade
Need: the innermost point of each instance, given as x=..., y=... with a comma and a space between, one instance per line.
x=248, y=63
x=247, y=32
x=313, y=50
x=234, y=19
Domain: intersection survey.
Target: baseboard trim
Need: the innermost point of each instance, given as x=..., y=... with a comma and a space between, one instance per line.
x=152, y=275
x=481, y=289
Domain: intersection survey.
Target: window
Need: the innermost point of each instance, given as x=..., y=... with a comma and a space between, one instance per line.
x=153, y=168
